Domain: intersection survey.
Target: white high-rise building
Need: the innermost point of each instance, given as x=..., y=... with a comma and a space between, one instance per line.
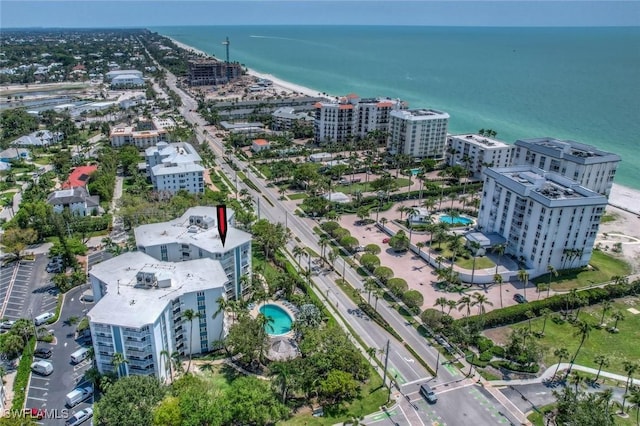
x=418, y=133
x=195, y=235
x=547, y=219
x=175, y=167
x=477, y=152
x=351, y=117
x=593, y=168
x=140, y=311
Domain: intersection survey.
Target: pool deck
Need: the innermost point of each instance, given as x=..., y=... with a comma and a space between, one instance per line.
x=256, y=310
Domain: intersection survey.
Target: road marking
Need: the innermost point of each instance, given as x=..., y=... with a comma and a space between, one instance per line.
x=38, y=399
x=35, y=387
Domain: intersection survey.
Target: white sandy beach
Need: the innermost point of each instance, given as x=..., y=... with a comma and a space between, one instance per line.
x=621, y=196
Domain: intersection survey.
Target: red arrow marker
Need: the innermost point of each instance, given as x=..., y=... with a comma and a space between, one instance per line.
x=222, y=222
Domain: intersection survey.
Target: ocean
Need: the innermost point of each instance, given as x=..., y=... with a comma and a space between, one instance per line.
x=569, y=83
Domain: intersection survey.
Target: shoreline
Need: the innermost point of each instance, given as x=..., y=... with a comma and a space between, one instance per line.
x=621, y=197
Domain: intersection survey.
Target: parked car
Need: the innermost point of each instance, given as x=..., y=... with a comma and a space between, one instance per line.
x=42, y=353
x=79, y=355
x=36, y=413
x=54, y=269
x=42, y=367
x=78, y=395
x=428, y=393
x=80, y=417
x=7, y=324
x=519, y=298
x=42, y=318
x=386, y=240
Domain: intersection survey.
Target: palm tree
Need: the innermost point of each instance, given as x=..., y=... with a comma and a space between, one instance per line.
x=630, y=368
x=576, y=378
x=480, y=300
x=190, y=315
x=298, y=252
x=634, y=398
x=118, y=360
x=498, y=248
x=497, y=279
x=530, y=315
x=606, y=307
x=323, y=242
x=523, y=276
x=442, y=302
x=545, y=312
x=332, y=256
x=451, y=304
x=370, y=285
x=420, y=246
x=465, y=302
x=583, y=330
x=560, y=353
x=602, y=361
x=552, y=273
x=377, y=295
x=618, y=316
x=167, y=363
x=475, y=246
x=282, y=372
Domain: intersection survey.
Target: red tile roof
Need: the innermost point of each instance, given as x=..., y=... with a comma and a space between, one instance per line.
x=261, y=142
x=79, y=177
x=352, y=96
x=384, y=104
x=317, y=105
x=349, y=106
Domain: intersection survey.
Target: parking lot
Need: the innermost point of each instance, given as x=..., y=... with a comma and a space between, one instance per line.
x=15, y=284
x=49, y=391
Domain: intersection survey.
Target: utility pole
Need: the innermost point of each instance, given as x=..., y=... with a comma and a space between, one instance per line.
x=384, y=374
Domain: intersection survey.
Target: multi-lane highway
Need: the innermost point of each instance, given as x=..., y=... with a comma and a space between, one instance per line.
x=461, y=400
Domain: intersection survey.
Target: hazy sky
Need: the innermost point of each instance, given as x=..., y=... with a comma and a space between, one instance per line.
x=121, y=13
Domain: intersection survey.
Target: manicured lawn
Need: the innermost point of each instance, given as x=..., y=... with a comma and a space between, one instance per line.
x=482, y=262
x=537, y=419
x=604, y=266
x=618, y=347
x=43, y=160
x=264, y=169
x=297, y=196
x=365, y=187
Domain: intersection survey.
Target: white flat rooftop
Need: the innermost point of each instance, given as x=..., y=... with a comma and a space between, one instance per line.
x=129, y=305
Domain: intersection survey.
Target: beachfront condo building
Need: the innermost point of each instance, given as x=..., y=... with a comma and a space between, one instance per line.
x=144, y=134
x=475, y=152
x=195, y=235
x=593, y=168
x=546, y=219
x=175, y=167
x=141, y=311
x=209, y=72
x=418, y=133
x=351, y=118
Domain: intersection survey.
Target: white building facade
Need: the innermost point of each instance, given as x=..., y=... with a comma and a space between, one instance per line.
x=195, y=235
x=592, y=168
x=144, y=135
x=351, y=117
x=476, y=152
x=175, y=167
x=546, y=219
x=420, y=133
x=140, y=311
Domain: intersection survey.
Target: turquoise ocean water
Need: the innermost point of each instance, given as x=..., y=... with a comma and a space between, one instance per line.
x=569, y=83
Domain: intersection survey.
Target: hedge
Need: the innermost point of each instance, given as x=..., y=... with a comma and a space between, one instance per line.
x=413, y=299
x=22, y=376
x=517, y=313
x=329, y=226
x=508, y=365
x=383, y=273
x=370, y=261
x=397, y=286
x=375, y=316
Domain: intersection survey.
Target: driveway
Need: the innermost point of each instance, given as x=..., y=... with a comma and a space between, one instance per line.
x=49, y=392
x=26, y=290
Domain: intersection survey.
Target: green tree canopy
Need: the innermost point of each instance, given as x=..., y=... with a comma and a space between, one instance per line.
x=130, y=401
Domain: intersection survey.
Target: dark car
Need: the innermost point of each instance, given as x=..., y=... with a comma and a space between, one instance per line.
x=428, y=393
x=42, y=353
x=519, y=298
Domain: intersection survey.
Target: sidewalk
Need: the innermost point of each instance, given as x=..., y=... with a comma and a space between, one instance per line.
x=549, y=373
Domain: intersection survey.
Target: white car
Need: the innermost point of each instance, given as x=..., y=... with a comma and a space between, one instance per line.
x=80, y=417
x=7, y=324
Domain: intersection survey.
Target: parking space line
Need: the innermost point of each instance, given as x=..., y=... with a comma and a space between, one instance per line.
x=37, y=399
x=35, y=387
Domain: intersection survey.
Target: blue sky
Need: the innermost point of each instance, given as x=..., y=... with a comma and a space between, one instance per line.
x=121, y=13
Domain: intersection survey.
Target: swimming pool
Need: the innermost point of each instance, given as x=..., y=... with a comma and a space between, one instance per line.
x=414, y=172
x=462, y=221
x=281, y=320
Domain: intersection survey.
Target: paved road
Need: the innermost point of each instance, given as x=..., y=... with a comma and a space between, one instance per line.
x=49, y=392
x=403, y=367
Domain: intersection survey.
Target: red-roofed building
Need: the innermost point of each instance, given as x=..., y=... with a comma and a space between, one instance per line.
x=260, y=144
x=79, y=177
